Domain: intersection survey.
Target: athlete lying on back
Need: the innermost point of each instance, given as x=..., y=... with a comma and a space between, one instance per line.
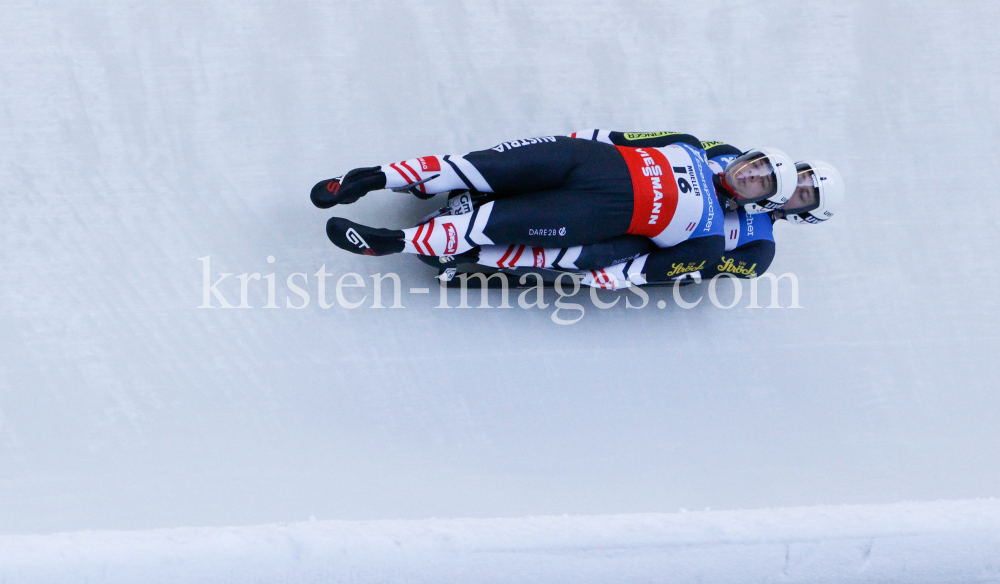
x=580, y=203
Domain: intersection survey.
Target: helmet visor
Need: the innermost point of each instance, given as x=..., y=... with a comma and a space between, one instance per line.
x=806, y=196
x=751, y=177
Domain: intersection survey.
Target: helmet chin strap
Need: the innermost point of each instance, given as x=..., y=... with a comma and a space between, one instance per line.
x=727, y=193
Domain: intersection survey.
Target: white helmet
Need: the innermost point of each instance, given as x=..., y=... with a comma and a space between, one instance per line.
x=819, y=196
x=760, y=180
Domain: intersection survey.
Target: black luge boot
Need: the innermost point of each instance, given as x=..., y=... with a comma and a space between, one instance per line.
x=364, y=240
x=349, y=188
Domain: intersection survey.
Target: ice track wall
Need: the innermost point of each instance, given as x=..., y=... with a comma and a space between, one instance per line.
x=929, y=543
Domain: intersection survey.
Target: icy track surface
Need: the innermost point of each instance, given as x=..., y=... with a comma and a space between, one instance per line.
x=917, y=543
x=138, y=138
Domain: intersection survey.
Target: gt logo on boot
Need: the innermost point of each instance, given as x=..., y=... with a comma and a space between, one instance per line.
x=355, y=238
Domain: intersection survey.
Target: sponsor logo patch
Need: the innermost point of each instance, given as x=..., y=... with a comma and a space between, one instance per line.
x=741, y=269
x=646, y=135
x=461, y=204
x=355, y=238
x=429, y=164
x=505, y=146
x=452, y=234
x=653, y=171
x=683, y=268
x=548, y=232
x=539, y=253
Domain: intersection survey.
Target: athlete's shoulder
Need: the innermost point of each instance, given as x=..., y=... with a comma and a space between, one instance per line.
x=638, y=139
x=719, y=155
x=714, y=149
x=653, y=139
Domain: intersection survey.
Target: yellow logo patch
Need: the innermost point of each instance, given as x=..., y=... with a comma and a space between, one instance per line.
x=728, y=265
x=684, y=269
x=645, y=135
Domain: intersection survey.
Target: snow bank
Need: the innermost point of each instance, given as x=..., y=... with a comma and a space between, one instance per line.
x=939, y=542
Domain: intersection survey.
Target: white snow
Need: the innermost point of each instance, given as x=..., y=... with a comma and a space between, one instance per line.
x=136, y=138
x=939, y=542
